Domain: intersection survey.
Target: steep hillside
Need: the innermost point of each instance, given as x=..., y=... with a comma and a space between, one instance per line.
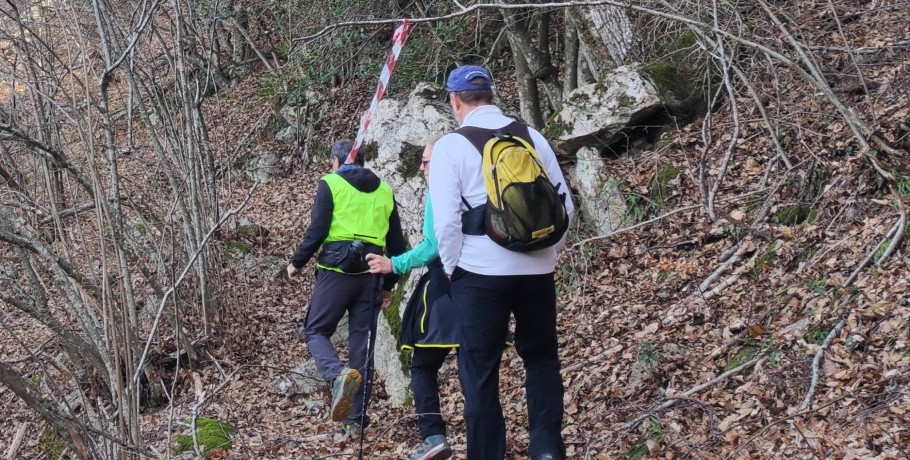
x=775, y=325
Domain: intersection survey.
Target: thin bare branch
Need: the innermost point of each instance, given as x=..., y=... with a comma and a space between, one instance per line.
x=186, y=269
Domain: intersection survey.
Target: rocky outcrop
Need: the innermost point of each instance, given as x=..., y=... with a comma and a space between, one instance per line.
x=601, y=204
x=595, y=115
x=594, y=118
x=393, y=147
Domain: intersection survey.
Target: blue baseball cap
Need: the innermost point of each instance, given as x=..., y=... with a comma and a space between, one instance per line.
x=460, y=79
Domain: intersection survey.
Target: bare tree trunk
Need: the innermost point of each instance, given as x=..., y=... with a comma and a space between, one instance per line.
x=75, y=436
x=538, y=60
x=606, y=31
x=570, y=79
x=528, y=97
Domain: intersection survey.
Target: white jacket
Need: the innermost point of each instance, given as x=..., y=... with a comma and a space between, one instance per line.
x=455, y=172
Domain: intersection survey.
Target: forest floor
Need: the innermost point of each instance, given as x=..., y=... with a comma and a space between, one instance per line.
x=685, y=337
x=645, y=351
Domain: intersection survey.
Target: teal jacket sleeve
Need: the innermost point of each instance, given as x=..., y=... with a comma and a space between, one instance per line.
x=423, y=253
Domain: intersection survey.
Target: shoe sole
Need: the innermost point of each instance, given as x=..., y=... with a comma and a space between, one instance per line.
x=440, y=452
x=342, y=407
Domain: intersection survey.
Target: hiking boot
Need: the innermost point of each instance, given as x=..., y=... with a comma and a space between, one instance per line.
x=344, y=389
x=433, y=448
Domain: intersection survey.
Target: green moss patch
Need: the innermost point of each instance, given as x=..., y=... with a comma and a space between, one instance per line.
x=741, y=357
x=211, y=434
x=52, y=443
x=409, y=161
x=758, y=268
x=393, y=317
x=235, y=250
x=369, y=151
x=659, y=188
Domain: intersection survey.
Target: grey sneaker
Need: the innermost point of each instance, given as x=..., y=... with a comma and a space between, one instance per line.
x=549, y=457
x=433, y=448
x=344, y=389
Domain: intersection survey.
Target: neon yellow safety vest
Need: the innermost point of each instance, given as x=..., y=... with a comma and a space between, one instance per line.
x=359, y=215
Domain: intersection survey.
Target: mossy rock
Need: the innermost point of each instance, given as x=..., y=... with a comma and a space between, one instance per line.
x=409, y=161
x=235, y=250
x=680, y=75
x=393, y=318
x=211, y=434
x=52, y=443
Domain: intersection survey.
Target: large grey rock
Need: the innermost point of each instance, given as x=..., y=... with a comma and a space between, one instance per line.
x=288, y=135
x=593, y=115
x=393, y=146
x=394, y=143
x=601, y=203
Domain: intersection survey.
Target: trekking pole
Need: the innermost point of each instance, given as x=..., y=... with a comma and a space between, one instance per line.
x=376, y=285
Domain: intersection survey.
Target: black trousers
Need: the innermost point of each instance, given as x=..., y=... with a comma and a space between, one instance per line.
x=485, y=304
x=425, y=365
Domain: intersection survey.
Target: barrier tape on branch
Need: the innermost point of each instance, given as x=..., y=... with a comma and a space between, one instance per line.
x=398, y=39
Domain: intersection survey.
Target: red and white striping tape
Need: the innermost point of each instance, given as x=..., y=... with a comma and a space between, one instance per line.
x=398, y=39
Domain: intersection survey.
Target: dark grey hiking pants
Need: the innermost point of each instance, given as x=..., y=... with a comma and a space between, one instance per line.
x=333, y=294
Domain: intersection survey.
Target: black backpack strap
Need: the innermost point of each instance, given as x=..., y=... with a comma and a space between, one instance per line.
x=518, y=129
x=478, y=137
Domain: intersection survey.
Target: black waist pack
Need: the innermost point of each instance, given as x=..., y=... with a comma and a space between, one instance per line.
x=473, y=220
x=347, y=256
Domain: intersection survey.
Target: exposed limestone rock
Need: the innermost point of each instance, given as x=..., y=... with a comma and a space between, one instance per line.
x=288, y=135
x=602, y=205
x=303, y=380
x=393, y=147
x=595, y=114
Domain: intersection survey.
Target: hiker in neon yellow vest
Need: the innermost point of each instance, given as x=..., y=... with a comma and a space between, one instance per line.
x=354, y=214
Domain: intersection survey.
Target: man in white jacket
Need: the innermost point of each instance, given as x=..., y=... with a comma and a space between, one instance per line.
x=490, y=283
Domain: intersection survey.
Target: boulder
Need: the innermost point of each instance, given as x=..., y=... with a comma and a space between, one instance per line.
x=393, y=147
x=288, y=135
x=595, y=115
x=602, y=205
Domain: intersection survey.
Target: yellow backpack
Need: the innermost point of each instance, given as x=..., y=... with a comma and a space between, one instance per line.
x=524, y=210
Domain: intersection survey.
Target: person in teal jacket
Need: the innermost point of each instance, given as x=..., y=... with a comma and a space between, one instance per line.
x=427, y=328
